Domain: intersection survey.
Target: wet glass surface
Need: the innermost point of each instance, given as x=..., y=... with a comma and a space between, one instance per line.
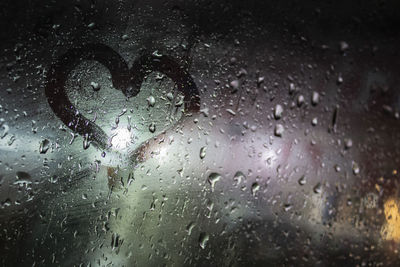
x=204, y=133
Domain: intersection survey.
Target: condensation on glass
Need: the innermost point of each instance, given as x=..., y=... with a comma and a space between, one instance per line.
x=204, y=133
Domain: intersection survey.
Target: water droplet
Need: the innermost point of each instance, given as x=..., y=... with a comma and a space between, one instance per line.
x=53, y=179
x=278, y=112
x=3, y=128
x=340, y=79
x=157, y=54
x=287, y=207
x=315, y=98
x=300, y=100
x=292, y=88
x=255, y=187
x=302, y=180
x=203, y=240
x=203, y=152
x=115, y=241
x=152, y=127
x=279, y=130
x=349, y=202
x=230, y=111
x=86, y=142
x=348, y=143
x=235, y=85
x=317, y=188
x=170, y=96
x=190, y=227
x=44, y=146
x=314, y=121
x=356, y=169
x=337, y=168
x=212, y=179
x=238, y=178
x=6, y=203
x=343, y=46
x=153, y=204
x=151, y=101
x=205, y=112
x=179, y=100
x=95, y=86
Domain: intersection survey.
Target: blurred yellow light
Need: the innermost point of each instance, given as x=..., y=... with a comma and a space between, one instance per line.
x=391, y=230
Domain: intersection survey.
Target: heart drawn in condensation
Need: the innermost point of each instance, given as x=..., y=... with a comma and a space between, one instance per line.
x=127, y=80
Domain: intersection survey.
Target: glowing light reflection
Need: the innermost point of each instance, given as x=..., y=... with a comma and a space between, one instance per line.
x=121, y=138
x=391, y=230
